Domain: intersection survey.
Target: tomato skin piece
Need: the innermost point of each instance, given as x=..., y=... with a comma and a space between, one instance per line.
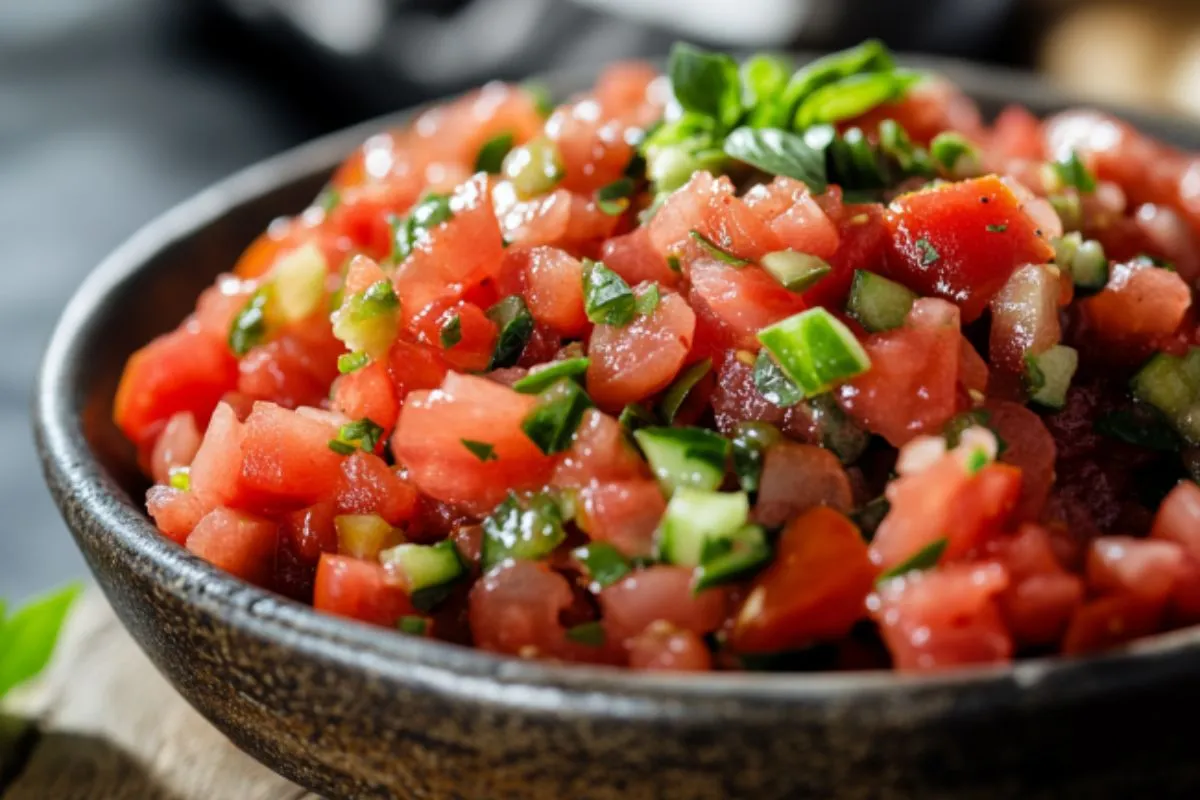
x=238, y=543
x=184, y=370
x=361, y=590
x=218, y=462
x=633, y=257
x=792, y=213
x=477, y=334
x=176, y=446
x=1029, y=447
x=814, y=590
x=630, y=363
x=600, y=452
x=515, y=609
x=428, y=441
x=656, y=593
x=797, y=477
x=941, y=245
x=286, y=460
x=1147, y=568
x=945, y=617
x=862, y=244
x=413, y=366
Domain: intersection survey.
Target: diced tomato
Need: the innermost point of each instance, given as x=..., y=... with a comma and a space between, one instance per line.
x=660, y=593
x=708, y=206
x=1039, y=608
x=282, y=237
x=288, y=372
x=933, y=106
x=862, y=244
x=367, y=393
x=945, y=617
x=1029, y=447
x=796, y=477
x=794, y=216
x=629, y=363
x=554, y=290
x=369, y=486
x=633, y=257
x=593, y=150
x=1141, y=305
x=972, y=369
x=175, y=512
x=814, y=590
x=185, y=370
x=912, y=385
x=286, y=459
x=600, y=451
x=623, y=513
x=623, y=89
x=1147, y=568
x=945, y=501
x=220, y=303
x=363, y=212
x=240, y=544
x=476, y=334
x=176, y=446
x=359, y=590
x=962, y=241
x=413, y=366
x=515, y=609
x=662, y=647
x=1178, y=518
x=743, y=300
x=1111, y=621
x=218, y=463
x=1016, y=134
x=429, y=442
x=312, y=531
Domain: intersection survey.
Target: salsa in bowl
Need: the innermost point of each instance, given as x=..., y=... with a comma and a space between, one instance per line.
x=742, y=367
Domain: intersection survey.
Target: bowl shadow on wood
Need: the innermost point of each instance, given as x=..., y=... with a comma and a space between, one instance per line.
x=351, y=711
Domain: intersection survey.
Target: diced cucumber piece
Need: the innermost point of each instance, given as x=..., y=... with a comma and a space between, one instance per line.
x=877, y=303
x=534, y=168
x=731, y=558
x=1172, y=385
x=364, y=535
x=816, y=350
x=527, y=528
x=1054, y=370
x=538, y=380
x=795, y=271
x=368, y=321
x=694, y=517
x=1083, y=260
x=425, y=565
x=679, y=457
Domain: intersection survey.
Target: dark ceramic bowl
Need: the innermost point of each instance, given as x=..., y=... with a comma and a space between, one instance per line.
x=353, y=711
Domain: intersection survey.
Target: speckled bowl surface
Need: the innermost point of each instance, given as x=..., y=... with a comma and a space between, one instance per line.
x=353, y=711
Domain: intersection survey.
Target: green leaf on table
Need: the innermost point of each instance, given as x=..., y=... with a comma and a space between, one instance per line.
x=27, y=637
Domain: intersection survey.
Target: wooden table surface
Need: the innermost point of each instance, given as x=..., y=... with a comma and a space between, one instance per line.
x=103, y=724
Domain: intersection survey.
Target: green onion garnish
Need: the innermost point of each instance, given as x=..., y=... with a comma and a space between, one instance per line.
x=249, y=327
x=431, y=211
x=1071, y=171
x=362, y=433
x=647, y=302
x=815, y=350
x=613, y=199
x=590, y=634
x=451, y=333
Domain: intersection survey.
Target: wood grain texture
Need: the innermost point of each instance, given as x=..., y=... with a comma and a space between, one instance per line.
x=109, y=726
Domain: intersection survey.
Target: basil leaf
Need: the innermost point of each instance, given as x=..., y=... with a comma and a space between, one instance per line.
x=764, y=78
x=706, y=83
x=870, y=56
x=552, y=423
x=779, y=153
x=851, y=96
x=603, y=563
x=512, y=316
x=28, y=636
x=539, y=380
x=607, y=298
x=484, y=451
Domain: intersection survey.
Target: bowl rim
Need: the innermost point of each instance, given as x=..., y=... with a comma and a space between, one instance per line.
x=105, y=509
